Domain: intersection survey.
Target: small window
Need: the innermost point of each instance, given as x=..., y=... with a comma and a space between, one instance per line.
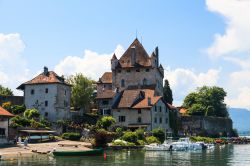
x=65, y=103
x=137, y=70
x=128, y=71
x=160, y=120
x=160, y=108
x=155, y=109
x=119, y=71
x=139, y=120
x=166, y=120
x=32, y=91
x=139, y=111
x=122, y=83
x=166, y=110
x=122, y=118
x=65, y=92
x=147, y=70
x=144, y=82
x=155, y=120
x=46, y=90
x=46, y=103
x=46, y=114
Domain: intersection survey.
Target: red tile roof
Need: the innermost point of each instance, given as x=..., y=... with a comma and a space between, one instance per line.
x=42, y=78
x=142, y=57
x=106, y=94
x=138, y=98
x=106, y=78
x=4, y=112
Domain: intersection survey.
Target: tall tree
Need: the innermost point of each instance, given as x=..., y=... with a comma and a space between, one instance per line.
x=5, y=91
x=207, y=101
x=82, y=91
x=167, y=93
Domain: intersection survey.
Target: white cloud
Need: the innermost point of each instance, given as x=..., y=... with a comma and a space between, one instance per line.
x=237, y=34
x=184, y=81
x=90, y=64
x=13, y=65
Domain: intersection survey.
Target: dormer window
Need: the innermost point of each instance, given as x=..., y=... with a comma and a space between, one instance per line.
x=122, y=83
x=32, y=91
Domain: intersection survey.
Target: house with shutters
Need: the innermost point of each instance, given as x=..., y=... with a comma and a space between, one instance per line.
x=4, y=125
x=135, y=89
x=48, y=93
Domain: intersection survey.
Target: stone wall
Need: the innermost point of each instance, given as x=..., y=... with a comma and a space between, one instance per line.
x=206, y=126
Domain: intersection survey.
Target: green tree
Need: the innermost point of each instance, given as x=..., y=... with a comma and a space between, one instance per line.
x=167, y=93
x=207, y=101
x=31, y=113
x=5, y=91
x=82, y=91
x=105, y=122
x=159, y=134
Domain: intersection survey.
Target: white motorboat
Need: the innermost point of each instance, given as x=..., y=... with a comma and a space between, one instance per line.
x=184, y=144
x=158, y=147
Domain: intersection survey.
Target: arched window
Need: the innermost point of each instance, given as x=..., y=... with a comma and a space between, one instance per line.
x=144, y=82
x=122, y=83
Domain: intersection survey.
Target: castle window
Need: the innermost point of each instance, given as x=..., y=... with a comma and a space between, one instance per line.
x=160, y=120
x=119, y=71
x=155, y=120
x=137, y=70
x=122, y=83
x=46, y=90
x=160, y=108
x=32, y=91
x=65, y=92
x=105, y=102
x=147, y=70
x=46, y=103
x=46, y=114
x=155, y=108
x=122, y=118
x=144, y=82
x=166, y=120
x=139, y=120
x=139, y=111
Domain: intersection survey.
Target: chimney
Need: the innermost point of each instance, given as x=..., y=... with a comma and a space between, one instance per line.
x=149, y=101
x=133, y=56
x=45, y=70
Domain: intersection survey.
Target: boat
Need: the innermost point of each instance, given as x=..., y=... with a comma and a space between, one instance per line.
x=184, y=144
x=92, y=152
x=158, y=147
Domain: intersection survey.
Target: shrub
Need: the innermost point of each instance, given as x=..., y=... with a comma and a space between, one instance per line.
x=102, y=137
x=19, y=121
x=119, y=142
x=36, y=124
x=140, y=134
x=71, y=136
x=31, y=113
x=18, y=109
x=119, y=131
x=159, y=134
x=130, y=137
x=140, y=142
x=202, y=139
x=131, y=144
x=152, y=139
x=105, y=122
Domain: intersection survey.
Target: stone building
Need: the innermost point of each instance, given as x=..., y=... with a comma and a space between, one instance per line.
x=4, y=125
x=135, y=99
x=48, y=93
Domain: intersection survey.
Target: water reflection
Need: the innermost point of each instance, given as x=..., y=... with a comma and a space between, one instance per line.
x=227, y=155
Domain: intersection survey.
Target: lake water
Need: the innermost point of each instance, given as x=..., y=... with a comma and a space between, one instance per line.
x=227, y=155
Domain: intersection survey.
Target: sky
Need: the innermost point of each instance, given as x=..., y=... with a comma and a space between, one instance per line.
x=205, y=42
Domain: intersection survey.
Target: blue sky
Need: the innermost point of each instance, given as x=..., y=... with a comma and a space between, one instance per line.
x=201, y=42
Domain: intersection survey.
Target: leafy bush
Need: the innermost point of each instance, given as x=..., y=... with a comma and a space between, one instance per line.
x=19, y=121
x=105, y=122
x=36, y=124
x=119, y=131
x=140, y=142
x=119, y=142
x=130, y=137
x=159, y=134
x=140, y=134
x=71, y=136
x=31, y=113
x=202, y=139
x=152, y=139
x=102, y=137
x=131, y=144
x=18, y=109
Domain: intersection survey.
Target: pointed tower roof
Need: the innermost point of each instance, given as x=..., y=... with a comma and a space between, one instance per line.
x=142, y=57
x=114, y=57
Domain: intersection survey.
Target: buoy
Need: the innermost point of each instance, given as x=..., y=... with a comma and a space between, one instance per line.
x=104, y=156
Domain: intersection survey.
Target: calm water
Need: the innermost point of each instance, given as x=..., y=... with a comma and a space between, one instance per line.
x=227, y=155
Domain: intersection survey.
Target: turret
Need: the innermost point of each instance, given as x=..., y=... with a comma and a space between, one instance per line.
x=114, y=62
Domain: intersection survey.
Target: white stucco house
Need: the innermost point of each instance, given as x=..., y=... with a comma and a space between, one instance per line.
x=50, y=94
x=4, y=125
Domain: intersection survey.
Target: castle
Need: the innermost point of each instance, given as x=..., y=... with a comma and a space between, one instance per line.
x=132, y=92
